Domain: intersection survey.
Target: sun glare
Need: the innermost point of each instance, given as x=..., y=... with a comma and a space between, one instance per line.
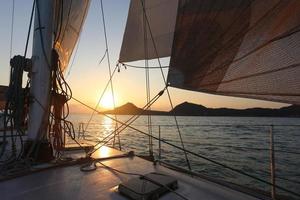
x=107, y=101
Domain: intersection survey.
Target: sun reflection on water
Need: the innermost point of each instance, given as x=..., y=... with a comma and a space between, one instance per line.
x=107, y=127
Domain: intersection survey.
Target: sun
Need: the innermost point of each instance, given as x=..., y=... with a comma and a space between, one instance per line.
x=107, y=101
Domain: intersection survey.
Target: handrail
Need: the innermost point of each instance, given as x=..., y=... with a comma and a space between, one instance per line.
x=83, y=135
x=272, y=160
x=207, y=125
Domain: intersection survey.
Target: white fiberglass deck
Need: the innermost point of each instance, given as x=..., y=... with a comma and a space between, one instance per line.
x=71, y=183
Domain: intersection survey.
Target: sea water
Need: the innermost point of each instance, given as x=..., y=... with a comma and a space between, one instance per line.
x=242, y=143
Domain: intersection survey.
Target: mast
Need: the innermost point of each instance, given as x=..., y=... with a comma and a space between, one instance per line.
x=40, y=76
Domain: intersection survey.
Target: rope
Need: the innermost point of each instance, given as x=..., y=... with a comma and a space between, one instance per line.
x=109, y=67
x=29, y=29
x=70, y=126
x=14, y=110
x=12, y=28
x=41, y=35
x=110, y=75
x=60, y=87
x=147, y=75
x=8, y=113
x=102, y=58
x=127, y=123
x=103, y=92
x=165, y=82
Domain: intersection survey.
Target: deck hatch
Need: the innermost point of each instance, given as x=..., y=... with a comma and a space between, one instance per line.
x=151, y=187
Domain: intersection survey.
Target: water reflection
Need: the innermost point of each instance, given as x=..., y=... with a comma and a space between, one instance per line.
x=107, y=127
x=215, y=143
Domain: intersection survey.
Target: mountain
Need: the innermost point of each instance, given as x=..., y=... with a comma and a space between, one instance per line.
x=125, y=109
x=191, y=109
x=131, y=109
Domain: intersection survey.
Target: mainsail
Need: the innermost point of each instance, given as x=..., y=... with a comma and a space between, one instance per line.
x=244, y=48
x=69, y=18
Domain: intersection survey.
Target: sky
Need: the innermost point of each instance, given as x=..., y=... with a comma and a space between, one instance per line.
x=87, y=78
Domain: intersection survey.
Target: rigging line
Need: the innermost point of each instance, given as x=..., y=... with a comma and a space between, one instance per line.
x=128, y=122
x=12, y=28
x=218, y=125
x=62, y=119
x=147, y=81
x=61, y=80
x=102, y=58
x=230, y=168
x=197, y=155
x=132, y=119
x=19, y=132
x=107, y=51
x=108, y=62
x=106, y=86
x=29, y=29
x=41, y=35
x=166, y=84
x=267, y=173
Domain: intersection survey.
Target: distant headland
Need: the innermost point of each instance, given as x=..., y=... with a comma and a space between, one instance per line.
x=191, y=109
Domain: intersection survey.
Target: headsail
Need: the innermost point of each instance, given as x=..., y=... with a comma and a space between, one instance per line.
x=246, y=48
x=161, y=16
x=69, y=18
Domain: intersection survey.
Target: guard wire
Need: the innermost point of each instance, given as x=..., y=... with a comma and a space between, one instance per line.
x=196, y=154
x=125, y=124
x=166, y=84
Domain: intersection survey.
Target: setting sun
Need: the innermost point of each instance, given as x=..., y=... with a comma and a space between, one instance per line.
x=107, y=101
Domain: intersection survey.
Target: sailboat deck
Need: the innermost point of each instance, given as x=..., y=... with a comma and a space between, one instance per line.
x=102, y=183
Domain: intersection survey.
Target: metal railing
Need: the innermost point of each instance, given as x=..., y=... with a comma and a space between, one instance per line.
x=271, y=149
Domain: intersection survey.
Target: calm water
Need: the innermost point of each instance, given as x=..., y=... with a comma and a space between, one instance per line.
x=217, y=138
